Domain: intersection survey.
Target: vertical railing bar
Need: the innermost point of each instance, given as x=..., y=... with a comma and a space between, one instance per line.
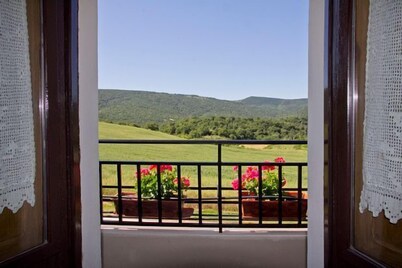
x=101, y=192
x=220, y=186
x=199, y=194
x=259, y=194
x=139, y=193
x=240, y=189
x=299, y=194
x=280, y=194
x=158, y=176
x=119, y=193
x=179, y=191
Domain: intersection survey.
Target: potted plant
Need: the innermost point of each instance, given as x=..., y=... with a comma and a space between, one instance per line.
x=249, y=182
x=169, y=192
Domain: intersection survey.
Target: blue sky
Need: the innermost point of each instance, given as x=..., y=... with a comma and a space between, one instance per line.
x=226, y=49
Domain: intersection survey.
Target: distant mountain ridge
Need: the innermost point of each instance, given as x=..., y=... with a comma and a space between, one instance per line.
x=261, y=101
x=142, y=107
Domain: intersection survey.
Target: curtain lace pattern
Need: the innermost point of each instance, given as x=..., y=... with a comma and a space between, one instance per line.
x=17, y=145
x=382, y=138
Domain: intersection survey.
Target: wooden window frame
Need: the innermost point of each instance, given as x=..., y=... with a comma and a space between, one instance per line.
x=62, y=247
x=339, y=123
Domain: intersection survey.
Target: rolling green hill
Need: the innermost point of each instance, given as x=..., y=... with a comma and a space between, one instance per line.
x=141, y=107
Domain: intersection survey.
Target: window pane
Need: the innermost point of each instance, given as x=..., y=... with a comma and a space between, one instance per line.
x=374, y=236
x=22, y=184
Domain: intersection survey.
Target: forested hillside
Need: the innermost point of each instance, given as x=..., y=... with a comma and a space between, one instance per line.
x=141, y=108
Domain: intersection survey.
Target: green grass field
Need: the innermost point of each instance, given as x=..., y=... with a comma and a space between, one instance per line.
x=192, y=153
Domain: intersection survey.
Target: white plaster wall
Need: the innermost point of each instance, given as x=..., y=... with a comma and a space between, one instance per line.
x=88, y=116
x=315, y=248
x=129, y=247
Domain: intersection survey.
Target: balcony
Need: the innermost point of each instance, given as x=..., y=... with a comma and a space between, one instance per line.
x=210, y=201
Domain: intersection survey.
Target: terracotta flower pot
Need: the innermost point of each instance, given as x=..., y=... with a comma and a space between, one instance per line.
x=250, y=209
x=170, y=208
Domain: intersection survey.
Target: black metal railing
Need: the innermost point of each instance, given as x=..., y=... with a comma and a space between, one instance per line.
x=123, y=203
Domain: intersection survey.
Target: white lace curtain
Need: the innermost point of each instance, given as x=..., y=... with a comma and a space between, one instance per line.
x=17, y=146
x=382, y=140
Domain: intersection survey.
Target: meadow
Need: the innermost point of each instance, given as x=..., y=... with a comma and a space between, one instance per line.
x=194, y=152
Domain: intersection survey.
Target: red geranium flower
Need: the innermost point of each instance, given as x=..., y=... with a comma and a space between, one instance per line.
x=235, y=184
x=153, y=167
x=166, y=167
x=279, y=160
x=250, y=179
x=269, y=168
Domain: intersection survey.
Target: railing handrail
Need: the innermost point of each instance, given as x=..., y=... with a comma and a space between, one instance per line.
x=203, y=163
x=213, y=142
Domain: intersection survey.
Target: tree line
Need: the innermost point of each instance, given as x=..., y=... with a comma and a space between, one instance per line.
x=235, y=128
